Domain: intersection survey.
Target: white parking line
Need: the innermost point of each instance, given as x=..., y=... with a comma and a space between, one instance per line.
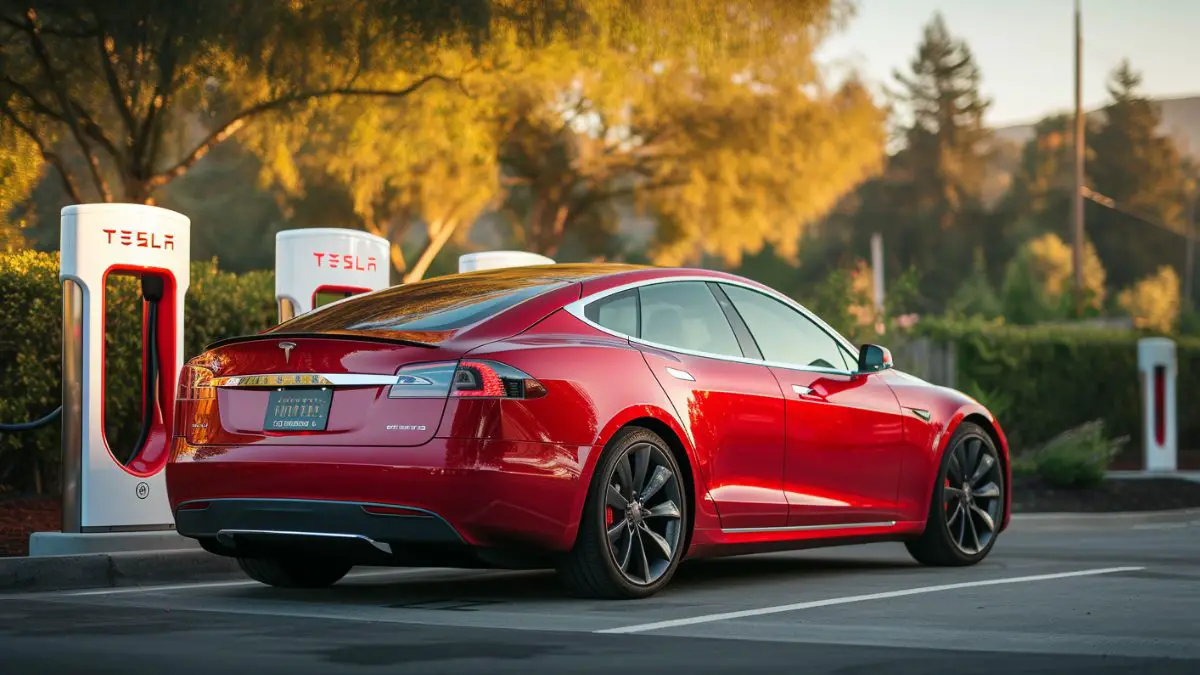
x=723, y=616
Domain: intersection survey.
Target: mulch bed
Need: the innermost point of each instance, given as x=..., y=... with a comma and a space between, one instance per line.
x=22, y=516
x=1032, y=495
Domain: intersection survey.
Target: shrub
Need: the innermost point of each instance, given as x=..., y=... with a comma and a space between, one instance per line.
x=217, y=304
x=1076, y=458
x=1153, y=302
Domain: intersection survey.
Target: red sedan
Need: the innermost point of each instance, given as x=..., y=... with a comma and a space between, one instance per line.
x=606, y=420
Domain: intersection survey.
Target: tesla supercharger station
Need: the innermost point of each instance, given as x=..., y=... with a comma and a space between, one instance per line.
x=488, y=260
x=1157, y=367
x=316, y=265
x=110, y=489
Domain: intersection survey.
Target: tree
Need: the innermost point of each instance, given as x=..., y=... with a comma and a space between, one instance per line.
x=1037, y=281
x=928, y=202
x=141, y=90
x=1141, y=170
x=944, y=141
x=714, y=122
x=1154, y=302
x=20, y=167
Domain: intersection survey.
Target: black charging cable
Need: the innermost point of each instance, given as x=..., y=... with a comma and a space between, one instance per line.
x=152, y=293
x=35, y=424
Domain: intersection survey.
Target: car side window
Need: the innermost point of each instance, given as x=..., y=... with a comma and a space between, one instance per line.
x=618, y=313
x=784, y=335
x=685, y=314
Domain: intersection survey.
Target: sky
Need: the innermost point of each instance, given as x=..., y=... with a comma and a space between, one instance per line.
x=1025, y=48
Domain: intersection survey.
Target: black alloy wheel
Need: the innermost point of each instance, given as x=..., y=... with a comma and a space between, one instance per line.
x=967, y=505
x=642, y=513
x=972, y=496
x=634, y=526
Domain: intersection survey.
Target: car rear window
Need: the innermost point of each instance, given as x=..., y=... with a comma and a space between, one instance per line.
x=443, y=304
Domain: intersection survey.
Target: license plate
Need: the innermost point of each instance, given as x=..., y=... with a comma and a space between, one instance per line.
x=298, y=410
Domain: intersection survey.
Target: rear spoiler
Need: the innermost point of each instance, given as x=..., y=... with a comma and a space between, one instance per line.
x=355, y=337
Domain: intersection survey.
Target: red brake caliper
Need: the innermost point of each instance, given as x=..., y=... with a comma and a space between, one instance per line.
x=608, y=516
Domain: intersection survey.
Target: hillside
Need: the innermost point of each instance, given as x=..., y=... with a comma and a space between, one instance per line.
x=1180, y=120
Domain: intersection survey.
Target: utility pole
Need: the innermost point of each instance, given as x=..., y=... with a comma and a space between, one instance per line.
x=1189, y=266
x=1077, y=194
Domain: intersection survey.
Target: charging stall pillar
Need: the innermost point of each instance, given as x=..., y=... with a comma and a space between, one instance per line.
x=314, y=266
x=1158, y=367
x=490, y=260
x=114, y=498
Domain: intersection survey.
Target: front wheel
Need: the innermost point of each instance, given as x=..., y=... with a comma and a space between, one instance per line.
x=967, y=505
x=294, y=572
x=633, y=532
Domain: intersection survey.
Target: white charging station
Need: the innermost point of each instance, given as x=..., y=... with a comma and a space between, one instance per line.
x=1158, y=369
x=117, y=489
x=326, y=263
x=488, y=260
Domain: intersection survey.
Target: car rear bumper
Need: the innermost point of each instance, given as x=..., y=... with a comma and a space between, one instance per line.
x=447, y=493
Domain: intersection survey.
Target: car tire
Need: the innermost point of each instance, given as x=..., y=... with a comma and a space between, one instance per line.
x=592, y=568
x=951, y=540
x=294, y=573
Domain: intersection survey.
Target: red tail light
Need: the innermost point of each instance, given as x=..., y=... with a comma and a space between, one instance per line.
x=468, y=378
x=195, y=384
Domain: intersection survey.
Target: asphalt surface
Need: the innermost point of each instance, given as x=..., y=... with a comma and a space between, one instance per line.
x=1113, y=599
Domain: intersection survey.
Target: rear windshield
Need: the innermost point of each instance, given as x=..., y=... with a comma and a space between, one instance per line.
x=443, y=304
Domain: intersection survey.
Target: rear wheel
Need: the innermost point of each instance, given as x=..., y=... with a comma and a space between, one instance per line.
x=967, y=504
x=633, y=530
x=294, y=572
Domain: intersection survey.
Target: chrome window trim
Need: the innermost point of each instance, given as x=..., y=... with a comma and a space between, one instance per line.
x=576, y=309
x=807, y=528
x=325, y=380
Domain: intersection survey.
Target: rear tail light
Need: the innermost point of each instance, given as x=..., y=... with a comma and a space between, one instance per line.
x=468, y=378
x=195, y=383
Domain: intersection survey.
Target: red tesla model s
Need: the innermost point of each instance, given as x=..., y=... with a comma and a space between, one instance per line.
x=606, y=420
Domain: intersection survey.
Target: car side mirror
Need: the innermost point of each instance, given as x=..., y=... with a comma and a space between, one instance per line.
x=872, y=359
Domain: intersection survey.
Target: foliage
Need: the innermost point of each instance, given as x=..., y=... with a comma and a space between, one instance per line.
x=1076, y=458
x=20, y=168
x=1153, y=302
x=976, y=296
x=845, y=300
x=1141, y=170
x=143, y=89
x=1037, y=282
x=1058, y=377
x=927, y=203
x=218, y=304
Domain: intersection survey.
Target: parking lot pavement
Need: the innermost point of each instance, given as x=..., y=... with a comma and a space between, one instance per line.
x=1118, y=600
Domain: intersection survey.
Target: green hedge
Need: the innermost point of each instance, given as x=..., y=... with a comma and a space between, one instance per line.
x=1054, y=378
x=218, y=304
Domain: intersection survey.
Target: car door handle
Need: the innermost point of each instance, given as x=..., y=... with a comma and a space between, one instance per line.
x=680, y=374
x=802, y=390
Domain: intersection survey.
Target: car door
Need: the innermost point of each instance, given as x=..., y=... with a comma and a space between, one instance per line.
x=733, y=410
x=844, y=432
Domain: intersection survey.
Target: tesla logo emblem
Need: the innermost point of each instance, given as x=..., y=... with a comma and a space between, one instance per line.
x=141, y=239
x=287, y=348
x=142, y=490
x=345, y=261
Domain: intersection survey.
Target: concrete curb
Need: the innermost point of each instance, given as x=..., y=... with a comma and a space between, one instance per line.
x=1029, y=521
x=107, y=570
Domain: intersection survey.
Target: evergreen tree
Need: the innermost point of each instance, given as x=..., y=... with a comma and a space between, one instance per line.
x=935, y=181
x=1142, y=171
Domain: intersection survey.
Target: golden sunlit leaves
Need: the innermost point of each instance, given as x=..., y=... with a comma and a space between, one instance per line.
x=20, y=168
x=1153, y=302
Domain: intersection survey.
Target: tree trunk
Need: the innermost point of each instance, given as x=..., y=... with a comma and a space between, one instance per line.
x=547, y=220
x=437, y=239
